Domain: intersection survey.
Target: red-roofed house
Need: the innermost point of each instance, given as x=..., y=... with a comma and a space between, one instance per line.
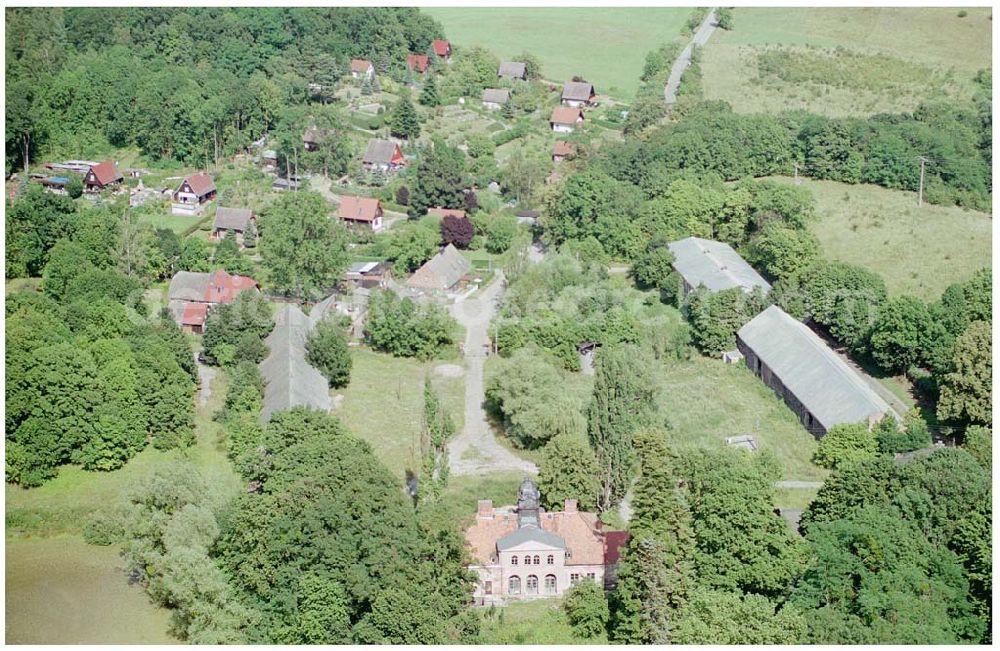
x=525, y=552
x=361, y=211
x=565, y=119
x=418, y=62
x=192, y=294
x=192, y=194
x=362, y=69
x=101, y=176
x=442, y=48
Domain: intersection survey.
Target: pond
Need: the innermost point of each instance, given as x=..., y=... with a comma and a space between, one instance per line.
x=61, y=590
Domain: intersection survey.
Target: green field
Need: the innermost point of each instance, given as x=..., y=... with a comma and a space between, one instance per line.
x=706, y=401
x=918, y=251
x=891, y=58
x=384, y=404
x=606, y=46
x=538, y=622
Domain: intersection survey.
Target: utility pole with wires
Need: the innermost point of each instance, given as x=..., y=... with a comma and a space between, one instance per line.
x=920, y=193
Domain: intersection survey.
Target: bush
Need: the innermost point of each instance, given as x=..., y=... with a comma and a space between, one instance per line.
x=402, y=328
x=587, y=609
x=326, y=349
x=892, y=438
x=844, y=444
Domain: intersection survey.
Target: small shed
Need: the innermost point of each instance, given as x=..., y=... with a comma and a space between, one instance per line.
x=512, y=70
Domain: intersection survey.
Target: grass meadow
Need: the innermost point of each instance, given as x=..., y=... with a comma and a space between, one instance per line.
x=918, y=251
x=605, y=46
x=384, y=404
x=845, y=61
x=540, y=622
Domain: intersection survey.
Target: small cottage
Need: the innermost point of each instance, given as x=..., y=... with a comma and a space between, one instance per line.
x=512, y=70
x=495, y=98
x=191, y=295
x=103, y=175
x=576, y=94
x=363, y=212
x=565, y=120
x=362, y=69
x=383, y=155
x=418, y=62
x=562, y=150
x=235, y=220
x=368, y=274
x=195, y=191
x=442, y=49
x=311, y=138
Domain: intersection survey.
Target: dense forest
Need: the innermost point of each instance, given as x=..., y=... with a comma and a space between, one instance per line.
x=179, y=83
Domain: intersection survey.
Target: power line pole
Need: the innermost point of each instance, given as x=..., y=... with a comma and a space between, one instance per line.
x=920, y=193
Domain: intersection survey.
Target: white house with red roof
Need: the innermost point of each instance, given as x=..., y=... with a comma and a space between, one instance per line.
x=525, y=552
x=362, y=69
x=365, y=212
x=565, y=119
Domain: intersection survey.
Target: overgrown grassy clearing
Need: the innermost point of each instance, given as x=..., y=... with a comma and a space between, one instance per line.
x=13, y=285
x=459, y=500
x=918, y=251
x=705, y=401
x=384, y=404
x=62, y=591
x=537, y=622
x=890, y=58
x=607, y=46
x=794, y=498
x=176, y=223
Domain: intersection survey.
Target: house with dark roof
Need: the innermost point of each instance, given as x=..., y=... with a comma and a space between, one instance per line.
x=235, y=220
x=440, y=273
x=383, y=155
x=192, y=295
x=442, y=48
x=495, y=98
x=512, y=70
x=578, y=93
x=524, y=552
x=562, y=150
x=311, y=138
x=368, y=274
x=365, y=212
x=362, y=69
x=713, y=265
x=565, y=119
x=289, y=380
x=192, y=194
x=103, y=175
x=819, y=386
x=418, y=62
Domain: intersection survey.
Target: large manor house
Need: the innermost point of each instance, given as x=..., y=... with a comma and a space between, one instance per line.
x=526, y=552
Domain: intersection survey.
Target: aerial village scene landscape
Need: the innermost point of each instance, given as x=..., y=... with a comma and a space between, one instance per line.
x=482, y=325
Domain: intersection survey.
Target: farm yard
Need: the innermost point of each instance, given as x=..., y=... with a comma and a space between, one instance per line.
x=918, y=251
x=606, y=46
x=845, y=61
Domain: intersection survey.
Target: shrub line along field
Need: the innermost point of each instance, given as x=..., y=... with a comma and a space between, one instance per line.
x=608, y=48
x=845, y=61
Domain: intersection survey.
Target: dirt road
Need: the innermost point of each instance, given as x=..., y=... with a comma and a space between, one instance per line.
x=475, y=450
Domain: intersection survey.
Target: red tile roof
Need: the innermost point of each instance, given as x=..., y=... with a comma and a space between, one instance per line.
x=201, y=184
x=441, y=47
x=194, y=314
x=446, y=212
x=418, y=61
x=360, y=65
x=224, y=287
x=105, y=172
x=565, y=115
x=363, y=209
x=614, y=543
x=563, y=148
x=580, y=530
